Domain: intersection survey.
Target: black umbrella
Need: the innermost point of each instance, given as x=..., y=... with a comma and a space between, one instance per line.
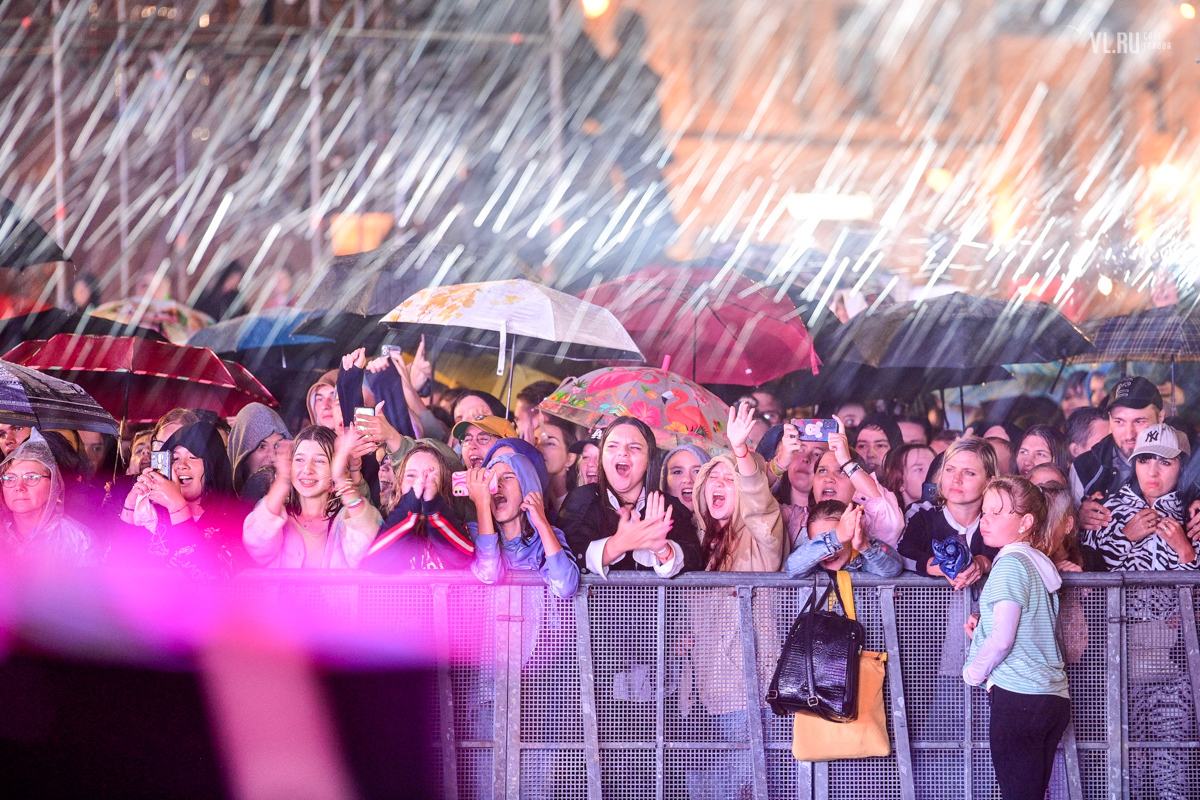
x=53, y=321
x=956, y=331
x=23, y=242
x=357, y=290
x=848, y=381
x=30, y=398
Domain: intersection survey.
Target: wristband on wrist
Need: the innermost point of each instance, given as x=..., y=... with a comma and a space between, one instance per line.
x=664, y=552
x=745, y=452
x=849, y=468
x=776, y=470
x=355, y=504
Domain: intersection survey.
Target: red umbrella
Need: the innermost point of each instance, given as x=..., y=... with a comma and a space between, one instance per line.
x=717, y=326
x=138, y=380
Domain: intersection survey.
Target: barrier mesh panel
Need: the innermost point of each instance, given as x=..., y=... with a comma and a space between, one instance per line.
x=1083, y=621
x=669, y=679
x=624, y=623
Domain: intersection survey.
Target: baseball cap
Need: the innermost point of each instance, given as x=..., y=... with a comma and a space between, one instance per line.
x=1135, y=392
x=493, y=425
x=577, y=447
x=1163, y=441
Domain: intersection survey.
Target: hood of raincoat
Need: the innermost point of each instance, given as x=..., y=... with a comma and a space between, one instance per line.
x=328, y=379
x=57, y=536
x=251, y=426
x=531, y=453
x=700, y=455
x=527, y=475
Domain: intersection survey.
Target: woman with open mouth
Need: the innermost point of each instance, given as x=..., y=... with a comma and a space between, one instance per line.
x=193, y=516
x=314, y=516
x=619, y=522
x=841, y=475
x=741, y=530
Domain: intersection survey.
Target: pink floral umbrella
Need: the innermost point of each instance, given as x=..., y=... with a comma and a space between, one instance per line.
x=679, y=411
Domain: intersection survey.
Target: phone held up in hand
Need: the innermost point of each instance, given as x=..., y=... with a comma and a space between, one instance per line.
x=160, y=462
x=363, y=411
x=458, y=484
x=815, y=430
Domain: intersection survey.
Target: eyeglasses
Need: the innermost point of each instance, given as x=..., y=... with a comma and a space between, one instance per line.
x=29, y=479
x=478, y=438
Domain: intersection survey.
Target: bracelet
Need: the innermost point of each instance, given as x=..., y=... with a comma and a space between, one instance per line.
x=849, y=468
x=661, y=554
x=776, y=470
x=745, y=452
x=355, y=504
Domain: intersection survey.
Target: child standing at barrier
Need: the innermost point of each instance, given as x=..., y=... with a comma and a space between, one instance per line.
x=1013, y=644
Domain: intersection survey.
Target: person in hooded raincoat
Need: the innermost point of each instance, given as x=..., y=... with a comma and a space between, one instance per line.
x=33, y=522
x=258, y=436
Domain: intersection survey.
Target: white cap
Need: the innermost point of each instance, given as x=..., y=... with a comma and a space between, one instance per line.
x=1163, y=441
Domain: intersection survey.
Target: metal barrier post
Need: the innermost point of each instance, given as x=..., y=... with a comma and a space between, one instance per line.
x=441, y=633
x=968, y=739
x=758, y=753
x=587, y=696
x=1187, y=620
x=891, y=640
x=660, y=690
x=1071, y=760
x=1118, y=726
x=508, y=692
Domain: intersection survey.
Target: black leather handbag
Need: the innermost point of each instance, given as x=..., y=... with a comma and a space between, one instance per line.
x=817, y=672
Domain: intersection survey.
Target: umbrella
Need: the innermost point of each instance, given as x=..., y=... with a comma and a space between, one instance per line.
x=173, y=320
x=268, y=336
x=52, y=321
x=718, y=326
x=357, y=290
x=27, y=397
x=517, y=314
x=679, y=411
x=1161, y=334
x=849, y=381
x=23, y=242
x=138, y=381
x=955, y=331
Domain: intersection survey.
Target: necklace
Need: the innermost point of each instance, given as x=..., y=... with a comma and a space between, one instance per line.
x=307, y=523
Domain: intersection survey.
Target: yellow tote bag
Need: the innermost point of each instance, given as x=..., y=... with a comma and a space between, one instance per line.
x=817, y=739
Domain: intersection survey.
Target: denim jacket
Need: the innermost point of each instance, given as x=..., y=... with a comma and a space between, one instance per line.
x=878, y=559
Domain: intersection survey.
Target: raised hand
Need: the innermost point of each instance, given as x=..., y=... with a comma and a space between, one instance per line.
x=420, y=371
x=839, y=443
x=741, y=420
x=355, y=358
x=790, y=447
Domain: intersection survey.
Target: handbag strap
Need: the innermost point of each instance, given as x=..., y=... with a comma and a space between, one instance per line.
x=846, y=593
x=841, y=578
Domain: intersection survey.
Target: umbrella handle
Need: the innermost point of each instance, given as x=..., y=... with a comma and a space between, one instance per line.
x=503, y=344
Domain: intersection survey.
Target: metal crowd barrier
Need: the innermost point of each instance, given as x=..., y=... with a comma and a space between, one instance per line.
x=639, y=687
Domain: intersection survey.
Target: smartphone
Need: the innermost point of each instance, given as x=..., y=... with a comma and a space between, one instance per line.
x=458, y=484
x=160, y=462
x=815, y=430
x=391, y=349
x=363, y=411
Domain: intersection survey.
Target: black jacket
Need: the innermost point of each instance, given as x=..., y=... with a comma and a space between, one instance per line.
x=1096, y=468
x=585, y=517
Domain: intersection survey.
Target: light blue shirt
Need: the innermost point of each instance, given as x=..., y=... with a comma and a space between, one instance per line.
x=496, y=555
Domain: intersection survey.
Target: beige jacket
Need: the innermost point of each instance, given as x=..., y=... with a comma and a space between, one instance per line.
x=711, y=669
x=760, y=544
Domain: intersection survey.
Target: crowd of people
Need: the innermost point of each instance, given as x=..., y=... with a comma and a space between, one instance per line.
x=386, y=477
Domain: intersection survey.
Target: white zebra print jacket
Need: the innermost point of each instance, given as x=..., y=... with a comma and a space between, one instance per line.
x=1151, y=553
